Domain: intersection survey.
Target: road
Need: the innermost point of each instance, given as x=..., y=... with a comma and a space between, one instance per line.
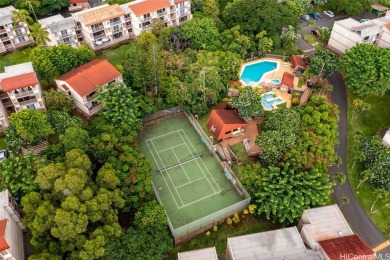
x=353, y=212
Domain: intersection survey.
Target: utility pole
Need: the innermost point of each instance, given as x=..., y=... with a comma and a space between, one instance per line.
x=155, y=71
x=204, y=85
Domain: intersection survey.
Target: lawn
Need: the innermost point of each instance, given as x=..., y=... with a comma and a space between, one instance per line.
x=218, y=239
x=16, y=57
x=370, y=123
x=313, y=41
x=115, y=55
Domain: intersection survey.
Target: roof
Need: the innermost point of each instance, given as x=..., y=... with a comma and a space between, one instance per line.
x=224, y=120
x=78, y=1
x=3, y=243
x=179, y=1
x=349, y=245
x=6, y=15
x=147, y=6
x=283, y=243
x=366, y=29
x=288, y=80
x=98, y=15
x=86, y=78
x=386, y=139
x=202, y=254
x=379, y=7
x=324, y=223
x=297, y=61
x=58, y=23
x=19, y=81
x=347, y=23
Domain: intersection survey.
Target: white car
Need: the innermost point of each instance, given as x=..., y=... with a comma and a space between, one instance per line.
x=329, y=13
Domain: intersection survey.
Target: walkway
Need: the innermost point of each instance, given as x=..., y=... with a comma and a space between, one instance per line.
x=353, y=212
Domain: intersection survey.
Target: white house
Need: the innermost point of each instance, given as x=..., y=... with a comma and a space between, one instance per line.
x=19, y=89
x=349, y=32
x=83, y=82
x=11, y=228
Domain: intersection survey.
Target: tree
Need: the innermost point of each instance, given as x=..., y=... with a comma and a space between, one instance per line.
x=60, y=121
x=151, y=214
x=17, y=174
x=358, y=107
x=31, y=125
x=351, y=7
x=202, y=33
x=365, y=175
x=40, y=34
x=41, y=8
x=74, y=215
x=20, y=16
x=319, y=2
x=324, y=34
x=383, y=195
x=232, y=40
x=30, y=4
x=323, y=64
x=265, y=44
x=366, y=69
x=58, y=100
x=282, y=194
x=120, y=106
x=300, y=7
x=289, y=36
x=340, y=178
x=248, y=103
x=75, y=138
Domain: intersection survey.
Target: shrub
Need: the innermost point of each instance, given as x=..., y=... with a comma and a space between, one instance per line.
x=236, y=218
x=208, y=233
x=215, y=228
x=229, y=221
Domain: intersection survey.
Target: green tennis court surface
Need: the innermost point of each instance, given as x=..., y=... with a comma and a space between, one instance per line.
x=189, y=180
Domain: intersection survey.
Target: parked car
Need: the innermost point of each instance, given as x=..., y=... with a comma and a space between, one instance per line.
x=3, y=154
x=305, y=17
x=363, y=20
x=315, y=16
x=329, y=13
x=315, y=32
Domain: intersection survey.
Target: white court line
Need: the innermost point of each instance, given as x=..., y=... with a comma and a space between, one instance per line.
x=169, y=176
x=181, y=167
x=162, y=175
x=190, y=182
x=203, y=164
x=170, y=148
x=202, y=160
x=162, y=135
x=198, y=200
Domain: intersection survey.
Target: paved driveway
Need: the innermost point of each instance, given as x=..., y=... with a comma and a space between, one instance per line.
x=352, y=211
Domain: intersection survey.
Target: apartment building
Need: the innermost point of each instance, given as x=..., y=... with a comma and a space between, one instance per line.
x=142, y=12
x=102, y=26
x=12, y=36
x=349, y=32
x=62, y=30
x=11, y=228
x=19, y=89
x=83, y=82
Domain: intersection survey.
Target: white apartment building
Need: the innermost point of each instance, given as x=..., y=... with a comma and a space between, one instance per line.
x=12, y=37
x=19, y=89
x=62, y=30
x=11, y=228
x=83, y=82
x=349, y=32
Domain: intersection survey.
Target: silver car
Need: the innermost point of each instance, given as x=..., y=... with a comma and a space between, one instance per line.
x=329, y=13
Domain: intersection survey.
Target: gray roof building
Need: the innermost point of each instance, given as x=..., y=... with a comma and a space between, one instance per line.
x=201, y=254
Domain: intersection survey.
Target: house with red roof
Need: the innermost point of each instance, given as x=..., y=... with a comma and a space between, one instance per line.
x=11, y=228
x=19, y=89
x=287, y=83
x=78, y=5
x=298, y=63
x=225, y=124
x=346, y=247
x=83, y=82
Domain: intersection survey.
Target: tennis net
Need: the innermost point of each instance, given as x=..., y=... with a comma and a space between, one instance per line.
x=180, y=162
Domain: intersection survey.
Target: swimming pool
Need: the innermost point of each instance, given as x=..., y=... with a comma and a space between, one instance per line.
x=269, y=102
x=276, y=81
x=253, y=73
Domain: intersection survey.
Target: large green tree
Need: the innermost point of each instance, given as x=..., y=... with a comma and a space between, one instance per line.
x=58, y=100
x=248, y=103
x=75, y=213
x=282, y=194
x=366, y=69
x=232, y=40
x=202, y=33
x=323, y=64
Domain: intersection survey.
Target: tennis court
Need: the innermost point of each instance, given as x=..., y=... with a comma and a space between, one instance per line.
x=189, y=180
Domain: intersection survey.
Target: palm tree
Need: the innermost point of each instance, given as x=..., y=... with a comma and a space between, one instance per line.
x=40, y=34
x=30, y=4
x=20, y=16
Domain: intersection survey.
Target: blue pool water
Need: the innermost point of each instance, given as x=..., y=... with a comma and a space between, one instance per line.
x=268, y=100
x=276, y=81
x=254, y=72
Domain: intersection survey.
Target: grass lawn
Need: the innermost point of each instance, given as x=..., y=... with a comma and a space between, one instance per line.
x=218, y=239
x=16, y=57
x=3, y=145
x=116, y=55
x=313, y=41
x=288, y=51
x=370, y=123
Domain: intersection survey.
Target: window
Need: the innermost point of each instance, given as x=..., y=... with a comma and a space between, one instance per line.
x=97, y=26
x=64, y=32
x=182, y=5
x=18, y=32
x=117, y=28
x=161, y=11
x=21, y=39
x=117, y=35
x=146, y=16
x=115, y=20
x=146, y=24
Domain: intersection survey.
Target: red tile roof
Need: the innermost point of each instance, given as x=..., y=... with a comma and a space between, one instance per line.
x=19, y=81
x=88, y=77
x=297, y=61
x=148, y=6
x=388, y=26
x=224, y=121
x=288, y=80
x=77, y=1
x=349, y=245
x=3, y=244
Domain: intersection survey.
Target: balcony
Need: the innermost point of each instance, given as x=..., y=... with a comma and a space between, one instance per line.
x=110, y=43
x=95, y=109
x=99, y=36
x=3, y=30
x=90, y=98
x=115, y=22
x=28, y=102
x=4, y=95
x=25, y=94
x=128, y=25
x=20, y=44
x=97, y=29
x=161, y=13
x=145, y=19
x=127, y=18
x=183, y=13
x=9, y=47
x=79, y=34
x=63, y=35
x=173, y=15
x=5, y=38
